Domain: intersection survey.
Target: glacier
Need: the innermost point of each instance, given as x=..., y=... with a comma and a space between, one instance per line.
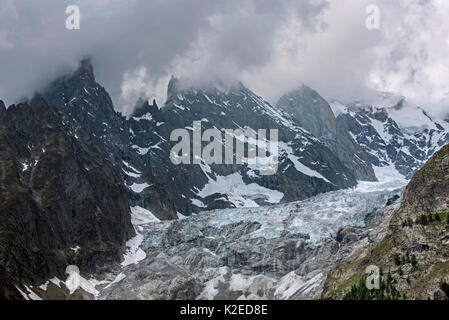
x=281, y=251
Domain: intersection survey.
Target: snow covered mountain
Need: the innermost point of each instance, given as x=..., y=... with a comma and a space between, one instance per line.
x=322, y=146
x=88, y=111
x=387, y=131
x=109, y=170
x=141, y=146
x=313, y=113
x=306, y=166
x=393, y=132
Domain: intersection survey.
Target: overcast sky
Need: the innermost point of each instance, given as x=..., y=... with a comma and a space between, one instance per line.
x=272, y=46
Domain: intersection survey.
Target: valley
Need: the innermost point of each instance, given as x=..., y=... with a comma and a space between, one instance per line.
x=139, y=226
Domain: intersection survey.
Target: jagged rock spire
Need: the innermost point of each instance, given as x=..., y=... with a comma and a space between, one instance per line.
x=85, y=70
x=143, y=106
x=172, y=88
x=2, y=109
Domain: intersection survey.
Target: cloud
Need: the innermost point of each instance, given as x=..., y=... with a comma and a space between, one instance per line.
x=272, y=46
x=124, y=39
x=413, y=58
x=334, y=59
x=409, y=55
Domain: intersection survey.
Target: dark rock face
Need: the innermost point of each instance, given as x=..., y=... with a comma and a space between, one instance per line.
x=2, y=111
x=312, y=112
x=349, y=234
x=57, y=193
x=7, y=289
x=87, y=106
x=350, y=152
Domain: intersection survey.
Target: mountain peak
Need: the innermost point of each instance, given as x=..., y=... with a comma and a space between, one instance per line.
x=173, y=87
x=311, y=111
x=2, y=110
x=85, y=70
x=143, y=107
x=383, y=99
x=303, y=94
x=184, y=85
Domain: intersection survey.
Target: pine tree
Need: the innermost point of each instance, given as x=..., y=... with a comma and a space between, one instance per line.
x=397, y=259
x=422, y=219
x=414, y=261
x=389, y=279
x=445, y=288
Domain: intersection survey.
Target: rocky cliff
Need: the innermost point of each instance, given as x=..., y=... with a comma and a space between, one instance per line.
x=61, y=203
x=414, y=255
x=311, y=111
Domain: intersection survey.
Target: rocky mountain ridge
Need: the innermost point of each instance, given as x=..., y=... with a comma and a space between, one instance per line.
x=384, y=131
x=317, y=171
x=322, y=146
x=141, y=145
x=413, y=256
x=61, y=204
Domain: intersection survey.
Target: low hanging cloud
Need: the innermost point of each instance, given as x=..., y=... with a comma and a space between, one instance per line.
x=271, y=46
